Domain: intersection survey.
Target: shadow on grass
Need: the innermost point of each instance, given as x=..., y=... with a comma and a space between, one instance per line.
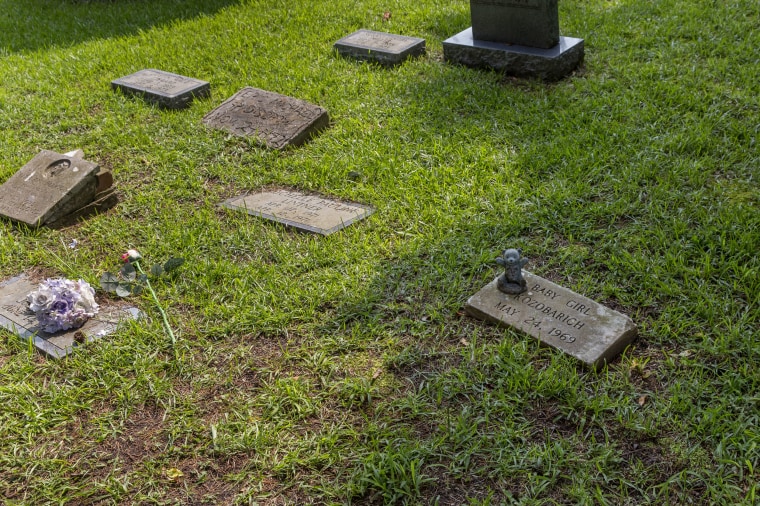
x=28, y=25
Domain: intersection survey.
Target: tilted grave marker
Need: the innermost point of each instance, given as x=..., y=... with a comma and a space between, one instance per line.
x=306, y=212
x=172, y=91
x=53, y=187
x=16, y=317
x=384, y=48
x=275, y=120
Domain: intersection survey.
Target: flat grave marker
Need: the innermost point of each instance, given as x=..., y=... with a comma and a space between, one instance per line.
x=558, y=317
x=384, y=48
x=16, y=317
x=275, y=120
x=168, y=90
x=306, y=212
x=52, y=187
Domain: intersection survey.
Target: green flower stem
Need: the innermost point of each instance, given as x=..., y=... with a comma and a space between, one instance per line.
x=167, y=327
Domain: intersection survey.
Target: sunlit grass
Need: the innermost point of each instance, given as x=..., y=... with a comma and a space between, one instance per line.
x=341, y=369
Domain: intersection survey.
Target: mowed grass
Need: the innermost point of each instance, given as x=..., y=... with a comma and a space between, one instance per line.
x=342, y=369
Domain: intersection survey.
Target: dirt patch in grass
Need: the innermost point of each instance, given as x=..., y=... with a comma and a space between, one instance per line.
x=205, y=481
x=141, y=437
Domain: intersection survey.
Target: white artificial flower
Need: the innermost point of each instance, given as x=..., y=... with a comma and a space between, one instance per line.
x=41, y=299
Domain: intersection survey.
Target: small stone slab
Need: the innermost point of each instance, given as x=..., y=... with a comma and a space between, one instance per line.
x=533, y=23
x=384, y=48
x=277, y=121
x=296, y=209
x=50, y=187
x=559, y=317
x=521, y=61
x=16, y=317
x=165, y=89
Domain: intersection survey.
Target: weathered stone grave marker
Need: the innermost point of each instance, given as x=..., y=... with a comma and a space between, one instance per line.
x=172, y=91
x=16, y=317
x=519, y=37
x=275, y=120
x=384, y=48
x=53, y=187
x=558, y=317
x=306, y=212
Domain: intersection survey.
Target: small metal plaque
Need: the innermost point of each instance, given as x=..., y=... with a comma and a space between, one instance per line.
x=168, y=90
x=558, y=317
x=16, y=317
x=384, y=48
x=277, y=121
x=306, y=212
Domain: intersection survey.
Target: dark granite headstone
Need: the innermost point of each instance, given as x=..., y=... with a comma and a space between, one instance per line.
x=558, y=317
x=518, y=37
x=16, y=317
x=384, y=48
x=533, y=23
x=303, y=211
x=168, y=90
x=275, y=120
x=51, y=187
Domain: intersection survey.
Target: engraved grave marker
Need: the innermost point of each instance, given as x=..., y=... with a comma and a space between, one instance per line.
x=384, y=48
x=296, y=209
x=16, y=317
x=168, y=90
x=53, y=187
x=558, y=317
x=277, y=121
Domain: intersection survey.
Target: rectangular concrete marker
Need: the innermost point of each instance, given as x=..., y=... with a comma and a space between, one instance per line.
x=559, y=317
x=16, y=317
x=168, y=90
x=275, y=120
x=50, y=187
x=296, y=209
x=384, y=48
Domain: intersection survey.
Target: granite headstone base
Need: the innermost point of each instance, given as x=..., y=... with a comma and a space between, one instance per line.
x=16, y=317
x=558, y=317
x=521, y=61
x=384, y=48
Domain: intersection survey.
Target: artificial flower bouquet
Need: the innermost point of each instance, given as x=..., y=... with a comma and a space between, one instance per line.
x=62, y=304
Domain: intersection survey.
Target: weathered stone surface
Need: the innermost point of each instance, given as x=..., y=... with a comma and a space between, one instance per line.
x=168, y=90
x=522, y=61
x=384, y=48
x=16, y=317
x=296, y=209
x=533, y=23
x=559, y=317
x=50, y=187
x=277, y=121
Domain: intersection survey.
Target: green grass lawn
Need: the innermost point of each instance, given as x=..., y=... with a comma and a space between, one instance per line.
x=342, y=369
